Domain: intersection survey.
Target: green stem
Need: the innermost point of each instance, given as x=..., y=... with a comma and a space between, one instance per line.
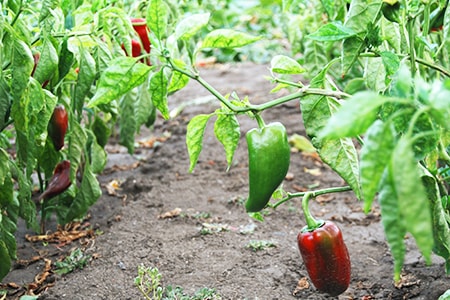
x=412, y=50
x=306, y=90
x=311, y=222
x=433, y=66
x=260, y=121
x=313, y=193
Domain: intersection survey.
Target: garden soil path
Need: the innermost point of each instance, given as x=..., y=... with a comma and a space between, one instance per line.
x=193, y=226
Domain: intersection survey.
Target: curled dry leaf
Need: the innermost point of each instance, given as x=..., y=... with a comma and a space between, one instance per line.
x=170, y=214
x=302, y=284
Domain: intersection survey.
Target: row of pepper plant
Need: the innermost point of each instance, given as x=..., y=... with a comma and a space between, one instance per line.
x=376, y=105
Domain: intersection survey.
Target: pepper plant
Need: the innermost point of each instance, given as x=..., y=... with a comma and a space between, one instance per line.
x=375, y=105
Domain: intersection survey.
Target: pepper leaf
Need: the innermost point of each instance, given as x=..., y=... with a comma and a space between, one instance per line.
x=5, y=266
x=22, y=65
x=127, y=120
x=123, y=75
x=374, y=157
x=339, y=154
x=157, y=18
x=227, y=38
x=441, y=229
x=194, y=137
x=282, y=64
x=86, y=77
x=354, y=117
x=332, y=32
x=48, y=62
x=86, y=196
x=189, y=26
x=158, y=92
x=227, y=131
x=405, y=206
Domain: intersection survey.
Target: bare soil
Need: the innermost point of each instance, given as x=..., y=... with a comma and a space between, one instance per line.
x=161, y=214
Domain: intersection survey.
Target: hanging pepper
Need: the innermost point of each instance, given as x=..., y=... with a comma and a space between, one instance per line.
x=57, y=127
x=269, y=157
x=324, y=253
x=59, y=182
x=140, y=26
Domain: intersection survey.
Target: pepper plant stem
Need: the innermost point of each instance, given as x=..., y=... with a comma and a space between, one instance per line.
x=313, y=194
x=306, y=90
x=311, y=222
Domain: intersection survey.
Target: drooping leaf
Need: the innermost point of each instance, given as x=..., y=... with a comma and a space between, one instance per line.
x=123, y=75
x=228, y=38
x=127, y=120
x=189, y=26
x=227, y=131
x=48, y=62
x=77, y=142
x=5, y=102
x=86, y=77
x=282, y=64
x=441, y=229
x=158, y=92
x=393, y=224
x=339, y=154
x=5, y=266
x=374, y=157
x=87, y=195
x=177, y=80
x=194, y=137
x=391, y=62
x=22, y=65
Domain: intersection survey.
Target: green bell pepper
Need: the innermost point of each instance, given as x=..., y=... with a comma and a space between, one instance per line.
x=269, y=157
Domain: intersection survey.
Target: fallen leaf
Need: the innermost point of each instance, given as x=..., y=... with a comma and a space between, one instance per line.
x=170, y=214
x=112, y=187
x=314, y=172
x=302, y=284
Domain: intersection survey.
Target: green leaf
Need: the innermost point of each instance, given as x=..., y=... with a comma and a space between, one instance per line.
x=282, y=64
x=123, y=75
x=101, y=131
x=354, y=116
x=77, y=143
x=339, y=154
x=393, y=224
x=48, y=62
x=189, y=26
x=87, y=195
x=158, y=92
x=374, y=157
x=178, y=80
x=86, y=77
x=441, y=229
x=360, y=14
x=332, y=32
x=22, y=65
x=408, y=208
x=65, y=60
x=127, y=121
x=391, y=62
x=143, y=106
x=194, y=137
x=157, y=18
x=5, y=102
x=227, y=131
x=413, y=201
x=47, y=7
x=5, y=266
x=445, y=296
x=375, y=74
x=227, y=38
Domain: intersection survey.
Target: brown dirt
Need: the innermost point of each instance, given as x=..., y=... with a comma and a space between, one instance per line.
x=156, y=180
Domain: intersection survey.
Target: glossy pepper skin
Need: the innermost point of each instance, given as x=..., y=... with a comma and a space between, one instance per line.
x=59, y=182
x=269, y=157
x=57, y=127
x=324, y=253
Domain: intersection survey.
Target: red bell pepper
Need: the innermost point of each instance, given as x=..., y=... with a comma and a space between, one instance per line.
x=59, y=182
x=324, y=253
x=57, y=127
